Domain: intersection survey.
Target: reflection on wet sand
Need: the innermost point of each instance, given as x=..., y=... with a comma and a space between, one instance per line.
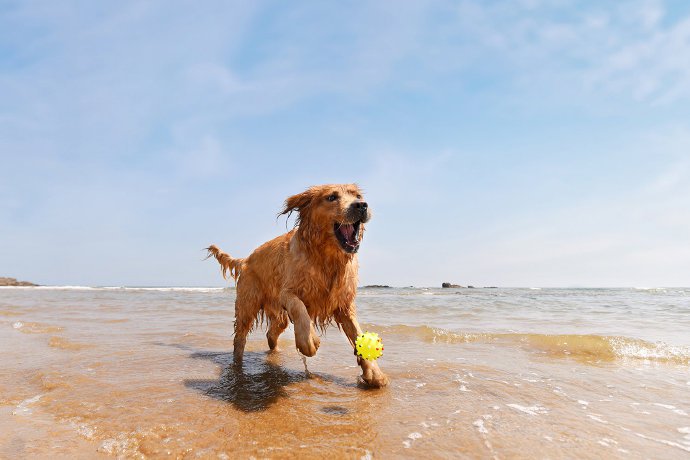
x=256, y=383
x=251, y=386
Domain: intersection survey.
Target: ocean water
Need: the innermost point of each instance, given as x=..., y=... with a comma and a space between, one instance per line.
x=475, y=373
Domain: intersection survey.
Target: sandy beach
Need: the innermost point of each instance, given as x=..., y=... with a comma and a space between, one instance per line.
x=484, y=373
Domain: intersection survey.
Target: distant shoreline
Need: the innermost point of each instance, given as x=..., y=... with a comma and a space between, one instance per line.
x=12, y=282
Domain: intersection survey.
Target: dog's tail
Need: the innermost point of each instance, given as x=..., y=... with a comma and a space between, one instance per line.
x=227, y=263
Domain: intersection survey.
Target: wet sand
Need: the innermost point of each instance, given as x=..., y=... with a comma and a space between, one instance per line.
x=149, y=374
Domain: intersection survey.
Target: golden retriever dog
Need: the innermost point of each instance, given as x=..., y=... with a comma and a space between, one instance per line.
x=307, y=275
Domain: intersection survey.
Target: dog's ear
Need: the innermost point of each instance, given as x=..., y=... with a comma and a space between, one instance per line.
x=298, y=203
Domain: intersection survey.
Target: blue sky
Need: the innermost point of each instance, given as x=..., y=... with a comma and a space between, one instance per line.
x=523, y=143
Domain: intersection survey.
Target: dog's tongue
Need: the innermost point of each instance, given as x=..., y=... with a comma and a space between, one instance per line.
x=348, y=231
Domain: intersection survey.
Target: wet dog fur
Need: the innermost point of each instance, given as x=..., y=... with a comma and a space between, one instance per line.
x=307, y=275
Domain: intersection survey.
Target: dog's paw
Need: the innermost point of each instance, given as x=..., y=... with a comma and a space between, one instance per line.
x=371, y=379
x=308, y=345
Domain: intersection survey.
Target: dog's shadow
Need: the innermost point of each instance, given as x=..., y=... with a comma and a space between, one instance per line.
x=254, y=385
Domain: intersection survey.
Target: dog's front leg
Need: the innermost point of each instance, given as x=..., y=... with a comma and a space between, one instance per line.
x=305, y=335
x=371, y=373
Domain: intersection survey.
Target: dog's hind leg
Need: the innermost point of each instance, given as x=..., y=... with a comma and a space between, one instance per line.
x=246, y=310
x=242, y=328
x=278, y=322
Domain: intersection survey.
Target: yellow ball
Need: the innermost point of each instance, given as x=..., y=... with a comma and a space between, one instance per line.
x=369, y=345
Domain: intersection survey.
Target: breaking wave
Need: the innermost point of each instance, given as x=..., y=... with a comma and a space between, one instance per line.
x=590, y=348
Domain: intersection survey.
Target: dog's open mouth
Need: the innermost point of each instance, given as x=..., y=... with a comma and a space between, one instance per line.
x=347, y=235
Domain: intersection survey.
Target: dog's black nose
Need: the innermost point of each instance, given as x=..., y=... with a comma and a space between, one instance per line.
x=361, y=205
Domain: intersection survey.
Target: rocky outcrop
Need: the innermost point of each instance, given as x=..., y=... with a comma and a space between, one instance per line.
x=377, y=286
x=450, y=285
x=14, y=282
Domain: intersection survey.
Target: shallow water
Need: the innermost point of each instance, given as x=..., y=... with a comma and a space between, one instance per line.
x=488, y=373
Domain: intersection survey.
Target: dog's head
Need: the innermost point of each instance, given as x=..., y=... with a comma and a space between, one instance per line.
x=333, y=213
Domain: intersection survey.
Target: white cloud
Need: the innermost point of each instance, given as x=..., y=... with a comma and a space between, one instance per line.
x=570, y=51
x=650, y=12
x=646, y=64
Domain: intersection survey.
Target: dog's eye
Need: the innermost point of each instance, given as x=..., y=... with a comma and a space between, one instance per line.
x=359, y=197
x=332, y=197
